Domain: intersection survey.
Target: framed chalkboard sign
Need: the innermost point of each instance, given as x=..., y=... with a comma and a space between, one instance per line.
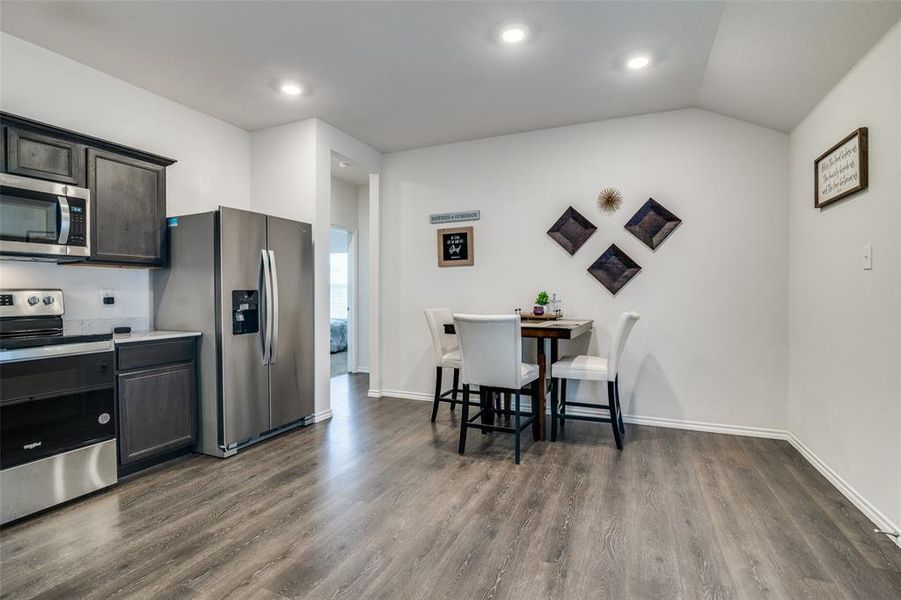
x=842, y=170
x=455, y=247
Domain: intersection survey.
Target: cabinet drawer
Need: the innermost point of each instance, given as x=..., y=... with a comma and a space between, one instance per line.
x=141, y=355
x=44, y=157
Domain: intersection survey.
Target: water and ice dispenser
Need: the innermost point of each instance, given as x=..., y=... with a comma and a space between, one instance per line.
x=245, y=311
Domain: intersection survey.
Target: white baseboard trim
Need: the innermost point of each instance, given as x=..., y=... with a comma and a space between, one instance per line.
x=322, y=415
x=761, y=432
x=880, y=520
x=776, y=434
x=402, y=395
x=872, y=513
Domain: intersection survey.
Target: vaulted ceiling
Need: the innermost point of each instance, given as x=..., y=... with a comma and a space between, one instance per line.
x=401, y=75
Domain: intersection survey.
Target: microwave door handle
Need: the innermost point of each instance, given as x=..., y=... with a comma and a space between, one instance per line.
x=64, y=219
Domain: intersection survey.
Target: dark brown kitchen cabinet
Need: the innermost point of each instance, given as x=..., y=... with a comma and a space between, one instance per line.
x=33, y=154
x=128, y=209
x=127, y=185
x=157, y=406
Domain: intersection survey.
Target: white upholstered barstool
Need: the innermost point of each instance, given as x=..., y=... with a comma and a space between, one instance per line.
x=447, y=355
x=491, y=357
x=593, y=368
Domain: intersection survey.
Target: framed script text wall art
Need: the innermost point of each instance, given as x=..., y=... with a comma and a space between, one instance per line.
x=455, y=247
x=842, y=170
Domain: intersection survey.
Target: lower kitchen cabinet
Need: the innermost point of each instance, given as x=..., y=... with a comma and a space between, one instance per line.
x=157, y=405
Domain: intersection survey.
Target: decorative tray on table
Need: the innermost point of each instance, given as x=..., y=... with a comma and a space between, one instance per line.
x=528, y=316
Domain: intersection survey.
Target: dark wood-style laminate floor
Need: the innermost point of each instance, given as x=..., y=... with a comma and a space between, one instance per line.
x=376, y=503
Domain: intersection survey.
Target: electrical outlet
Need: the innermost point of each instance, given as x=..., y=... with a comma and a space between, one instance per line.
x=107, y=296
x=868, y=257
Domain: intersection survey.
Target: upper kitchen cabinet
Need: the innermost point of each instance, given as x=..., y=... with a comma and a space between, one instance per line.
x=127, y=185
x=128, y=209
x=33, y=154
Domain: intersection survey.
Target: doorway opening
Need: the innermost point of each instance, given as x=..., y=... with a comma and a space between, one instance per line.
x=340, y=298
x=349, y=290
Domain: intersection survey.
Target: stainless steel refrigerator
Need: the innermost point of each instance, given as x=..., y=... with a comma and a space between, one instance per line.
x=245, y=280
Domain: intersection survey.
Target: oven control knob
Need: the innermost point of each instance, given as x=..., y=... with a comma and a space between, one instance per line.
x=32, y=300
x=48, y=300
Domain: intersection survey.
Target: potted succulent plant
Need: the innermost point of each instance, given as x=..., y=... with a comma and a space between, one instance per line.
x=540, y=302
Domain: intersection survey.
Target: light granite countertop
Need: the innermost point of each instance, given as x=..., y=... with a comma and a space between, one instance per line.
x=150, y=336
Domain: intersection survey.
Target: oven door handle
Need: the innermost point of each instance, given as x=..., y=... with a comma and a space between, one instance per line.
x=57, y=393
x=65, y=219
x=20, y=354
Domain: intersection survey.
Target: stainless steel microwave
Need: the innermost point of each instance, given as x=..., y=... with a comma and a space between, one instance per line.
x=43, y=220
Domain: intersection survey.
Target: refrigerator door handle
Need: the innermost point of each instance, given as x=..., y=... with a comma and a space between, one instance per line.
x=273, y=350
x=266, y=329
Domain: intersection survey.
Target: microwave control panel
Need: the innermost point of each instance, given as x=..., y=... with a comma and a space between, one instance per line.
x=78, y=222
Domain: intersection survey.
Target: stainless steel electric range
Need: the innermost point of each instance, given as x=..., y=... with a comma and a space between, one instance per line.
x=57, y=399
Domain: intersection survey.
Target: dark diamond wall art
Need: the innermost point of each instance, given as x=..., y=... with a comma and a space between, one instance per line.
x=614, y=269
x=571, y=230
x=652, y=223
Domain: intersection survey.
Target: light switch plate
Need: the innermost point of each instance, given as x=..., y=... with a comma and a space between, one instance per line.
x=868, y=257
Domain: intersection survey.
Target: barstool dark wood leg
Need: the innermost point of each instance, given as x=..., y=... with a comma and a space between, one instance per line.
x=555, y=390
x=562, y=413
x=614, y=419
x=464, y=419
x=487, y=417
x=507, y=404
x=456, y=385
x=536, y=430
x=619, y=408
x=516, y=431
x=437, y=393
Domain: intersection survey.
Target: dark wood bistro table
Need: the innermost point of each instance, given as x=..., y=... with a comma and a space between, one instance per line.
x=561, y=329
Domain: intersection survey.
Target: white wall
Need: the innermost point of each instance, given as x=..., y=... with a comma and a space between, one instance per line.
x=845, y=341
x=213, y=157
x=344, y=204
x=363, y=338
x=712, y=342
x=283, y=172
x=85, y=313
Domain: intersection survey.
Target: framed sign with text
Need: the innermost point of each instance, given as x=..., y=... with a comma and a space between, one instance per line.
x=842, y=170
x=455, y=247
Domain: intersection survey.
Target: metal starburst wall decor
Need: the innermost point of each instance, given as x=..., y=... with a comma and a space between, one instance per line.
x=609, y=200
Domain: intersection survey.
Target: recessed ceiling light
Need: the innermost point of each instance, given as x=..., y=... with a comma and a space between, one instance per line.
x=343, y=165
x=291, y=89
x=514, y=34
x=638, y=62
